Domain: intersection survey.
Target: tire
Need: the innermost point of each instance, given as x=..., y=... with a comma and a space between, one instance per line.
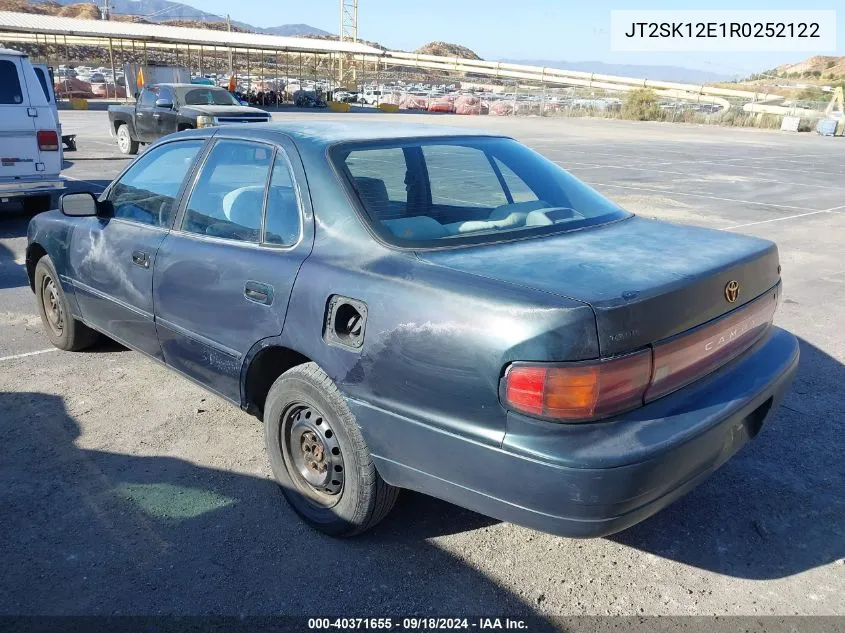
x=304, y=409
x=124, y=141
x=61, y=328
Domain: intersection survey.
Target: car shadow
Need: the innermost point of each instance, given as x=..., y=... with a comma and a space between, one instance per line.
x=86, y=531
x=12, y=273
x=778, y=507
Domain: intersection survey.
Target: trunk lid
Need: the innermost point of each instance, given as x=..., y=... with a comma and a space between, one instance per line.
x=646, y=280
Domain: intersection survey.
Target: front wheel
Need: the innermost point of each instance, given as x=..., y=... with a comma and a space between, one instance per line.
x=319, y=456
x=124, y=141
x=64, y=331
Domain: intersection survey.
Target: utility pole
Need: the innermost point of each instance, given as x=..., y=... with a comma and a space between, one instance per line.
x=229, y=26
x=348, y=33
x=105, y=11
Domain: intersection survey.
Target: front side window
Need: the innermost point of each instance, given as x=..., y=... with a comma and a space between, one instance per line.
x=147, y=192
x=10, y=85
x=228, y=197
x=466, y=190
x=148, y=98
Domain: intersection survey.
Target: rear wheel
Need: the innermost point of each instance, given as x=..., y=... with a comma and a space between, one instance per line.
x=319, y=456
x=61, y=328
x=124, y=141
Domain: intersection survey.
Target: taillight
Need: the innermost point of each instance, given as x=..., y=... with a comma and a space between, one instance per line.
x=48, y=140
x=691, y=356
x=578, y=391
x=590, y=390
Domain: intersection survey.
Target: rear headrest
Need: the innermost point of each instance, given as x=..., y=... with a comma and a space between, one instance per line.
x=243, y=206
x=420, y=227
x=373, y=193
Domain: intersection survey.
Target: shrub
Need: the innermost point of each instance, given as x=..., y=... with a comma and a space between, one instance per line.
x=641, y=105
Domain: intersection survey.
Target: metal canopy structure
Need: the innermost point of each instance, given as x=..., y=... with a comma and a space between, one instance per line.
x=29, y=26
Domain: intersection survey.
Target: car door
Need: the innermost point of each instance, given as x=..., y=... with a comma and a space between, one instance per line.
x=146, y=126
x=166, y=119
x=224, y=277
x=111, y=257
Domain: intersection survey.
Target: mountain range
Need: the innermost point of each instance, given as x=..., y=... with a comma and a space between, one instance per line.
x=161, y=10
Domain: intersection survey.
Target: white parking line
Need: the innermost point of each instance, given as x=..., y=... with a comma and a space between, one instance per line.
x=35, y=353
x=87, y=182
x=670, y=193
x=788, y=217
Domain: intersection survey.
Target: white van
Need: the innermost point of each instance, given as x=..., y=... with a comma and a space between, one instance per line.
x=30, y=135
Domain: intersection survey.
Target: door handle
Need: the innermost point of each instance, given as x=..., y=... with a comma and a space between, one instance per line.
x=141, y=259
x=156, y=115
x=258, y=292
x=139, y=114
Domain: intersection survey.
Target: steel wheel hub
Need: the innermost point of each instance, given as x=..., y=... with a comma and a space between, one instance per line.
x=313, y=454
x=52, y=305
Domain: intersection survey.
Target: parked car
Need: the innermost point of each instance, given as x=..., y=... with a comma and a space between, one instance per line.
x=163, y=109
x=409, y=306
x=31, y=154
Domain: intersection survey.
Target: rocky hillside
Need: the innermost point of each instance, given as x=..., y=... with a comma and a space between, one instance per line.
x=819, y=67
x=86, y=10
x=446, y=49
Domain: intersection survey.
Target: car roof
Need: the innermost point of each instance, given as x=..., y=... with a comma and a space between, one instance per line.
x=9, y=51
x=331, y=132
x=185, y=85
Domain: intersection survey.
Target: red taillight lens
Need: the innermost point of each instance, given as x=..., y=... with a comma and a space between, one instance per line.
x=48, y=140
x=578, y=391
x=694, y=355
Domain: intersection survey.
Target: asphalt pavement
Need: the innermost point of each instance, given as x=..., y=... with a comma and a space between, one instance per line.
x=125, y=489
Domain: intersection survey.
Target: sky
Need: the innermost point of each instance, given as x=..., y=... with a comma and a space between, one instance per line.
x=555, y=30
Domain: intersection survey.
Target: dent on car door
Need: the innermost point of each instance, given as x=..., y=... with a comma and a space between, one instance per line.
x=111, y=258
x=223, y=280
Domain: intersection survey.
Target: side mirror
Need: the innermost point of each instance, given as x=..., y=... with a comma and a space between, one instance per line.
x=164, y=103
x=81, y=204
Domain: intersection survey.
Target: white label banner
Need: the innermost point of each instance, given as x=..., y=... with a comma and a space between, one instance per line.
x=723, y=31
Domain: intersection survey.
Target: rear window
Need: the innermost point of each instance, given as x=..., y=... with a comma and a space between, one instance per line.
x=10, y=85
x=449, y=191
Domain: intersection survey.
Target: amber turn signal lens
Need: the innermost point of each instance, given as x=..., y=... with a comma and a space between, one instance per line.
x=578, y=391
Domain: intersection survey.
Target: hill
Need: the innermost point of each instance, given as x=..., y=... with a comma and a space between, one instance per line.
x=447, y=50
x=820, y=67
x=156, y=11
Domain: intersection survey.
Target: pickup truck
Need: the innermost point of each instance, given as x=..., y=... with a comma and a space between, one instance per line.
x=162, y=109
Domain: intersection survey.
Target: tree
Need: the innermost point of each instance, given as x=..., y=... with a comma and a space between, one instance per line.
x=641, y=105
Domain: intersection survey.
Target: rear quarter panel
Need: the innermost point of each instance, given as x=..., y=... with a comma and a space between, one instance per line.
x=435, y=340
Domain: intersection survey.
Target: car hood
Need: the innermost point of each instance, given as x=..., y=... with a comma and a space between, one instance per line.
x=646, y=280
x=228, y=110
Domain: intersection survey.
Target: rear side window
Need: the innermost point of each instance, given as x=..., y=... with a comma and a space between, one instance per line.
x=10, y=85
x=282, y=218
x=146, y=193
x=228, y=197
x=43, y=81
x=450, y=191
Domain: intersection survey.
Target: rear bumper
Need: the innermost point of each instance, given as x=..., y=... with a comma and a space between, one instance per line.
x=592, y=479
x=18, y=188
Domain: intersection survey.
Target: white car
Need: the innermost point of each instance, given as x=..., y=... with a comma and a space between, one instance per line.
x=31, y=160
